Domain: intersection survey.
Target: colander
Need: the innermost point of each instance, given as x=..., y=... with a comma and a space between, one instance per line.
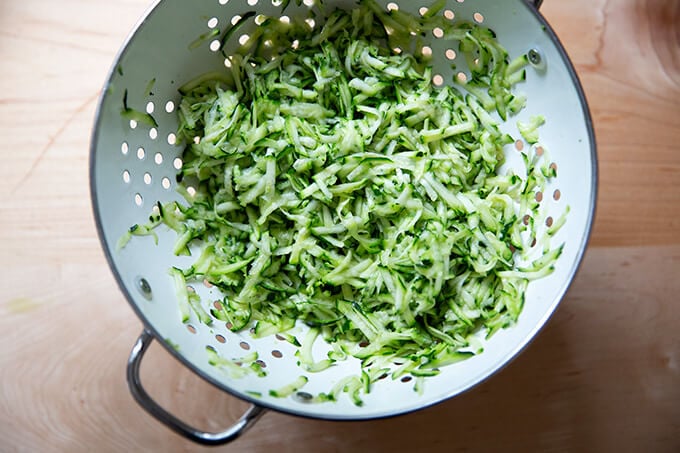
x=133, y=166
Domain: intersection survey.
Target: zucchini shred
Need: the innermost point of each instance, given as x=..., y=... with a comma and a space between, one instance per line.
x=329, y=182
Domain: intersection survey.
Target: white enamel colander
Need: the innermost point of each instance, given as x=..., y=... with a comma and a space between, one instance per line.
x=133, y=166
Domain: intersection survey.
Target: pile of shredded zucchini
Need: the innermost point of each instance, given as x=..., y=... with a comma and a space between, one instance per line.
x=337, y=186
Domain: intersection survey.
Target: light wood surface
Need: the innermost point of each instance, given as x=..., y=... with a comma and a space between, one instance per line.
x=604, y=375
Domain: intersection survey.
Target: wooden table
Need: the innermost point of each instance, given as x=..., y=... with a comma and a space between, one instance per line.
x=604, y=375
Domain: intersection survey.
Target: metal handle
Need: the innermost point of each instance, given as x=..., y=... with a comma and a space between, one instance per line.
x=142, y=397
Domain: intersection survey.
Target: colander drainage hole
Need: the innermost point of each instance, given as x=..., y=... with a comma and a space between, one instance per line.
x=262, y=363
x=406, y=378
x=449, y=14
x=191, y=328
x=220, y=338
x=557, y=194
x=244, y=345
x=549, y=222
x=276, y=353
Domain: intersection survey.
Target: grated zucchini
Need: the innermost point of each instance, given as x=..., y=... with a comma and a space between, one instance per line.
x=338, y=187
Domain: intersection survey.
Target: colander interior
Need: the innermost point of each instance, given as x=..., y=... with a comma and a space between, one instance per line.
x=134, y=165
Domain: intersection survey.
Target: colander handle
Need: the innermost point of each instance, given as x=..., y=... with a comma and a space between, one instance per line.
x=142, y=397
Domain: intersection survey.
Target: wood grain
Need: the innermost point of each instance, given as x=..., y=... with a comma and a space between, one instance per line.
x=627, y=54
x=603, y=375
